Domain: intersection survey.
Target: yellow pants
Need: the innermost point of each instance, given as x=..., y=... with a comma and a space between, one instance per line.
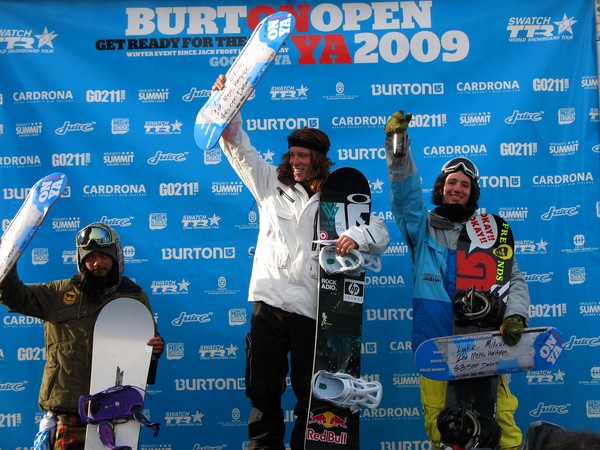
x=433, y=399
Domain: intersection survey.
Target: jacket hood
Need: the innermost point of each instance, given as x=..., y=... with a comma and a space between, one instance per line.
x=115, y=251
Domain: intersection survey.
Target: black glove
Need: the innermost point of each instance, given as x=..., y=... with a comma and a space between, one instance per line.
x=512, y=329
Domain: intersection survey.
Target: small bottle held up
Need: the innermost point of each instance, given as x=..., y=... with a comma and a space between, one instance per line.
x=397, y=140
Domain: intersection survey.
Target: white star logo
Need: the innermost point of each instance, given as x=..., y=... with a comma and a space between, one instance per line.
x=183, y=286
x=541, y=246
x=176, y=126
x=565, y=24
x=377, y=185
x=302, y=90
x=231, y=350
x=46, y=38
x=269, y=155
x=198, y=416
x=214, y=220
x=560, y=376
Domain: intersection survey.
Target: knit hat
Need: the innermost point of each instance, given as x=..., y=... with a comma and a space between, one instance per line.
x=311, y=138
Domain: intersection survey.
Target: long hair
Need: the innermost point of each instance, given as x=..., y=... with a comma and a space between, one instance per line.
x=437, y=197
x=318, y=143
x=321, y=165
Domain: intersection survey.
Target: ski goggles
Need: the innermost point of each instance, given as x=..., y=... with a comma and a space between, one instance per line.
x=102, y=237
x=463, y=164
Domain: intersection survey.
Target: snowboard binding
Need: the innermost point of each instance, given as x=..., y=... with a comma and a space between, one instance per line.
x=462, y=428
x=346, y=391
x=112, y=406
x=473, y=306
x=352, y=263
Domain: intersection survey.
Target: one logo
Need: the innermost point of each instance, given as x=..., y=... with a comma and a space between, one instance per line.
x=504, y=251
x=69, y=298
x=330, y=209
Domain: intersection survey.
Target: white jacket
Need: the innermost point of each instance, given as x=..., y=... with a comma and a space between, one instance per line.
x=285, y=268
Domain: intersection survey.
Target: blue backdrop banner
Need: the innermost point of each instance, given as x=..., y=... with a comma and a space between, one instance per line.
x=107, y=92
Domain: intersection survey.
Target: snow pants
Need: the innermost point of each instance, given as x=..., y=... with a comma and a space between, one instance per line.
x=273, y=335
x=433, y=400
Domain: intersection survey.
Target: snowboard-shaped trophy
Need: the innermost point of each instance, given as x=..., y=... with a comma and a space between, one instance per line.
x=484, y=354
x=337, y=390
x=29, y=219
x=242, y=78
x=120, y=363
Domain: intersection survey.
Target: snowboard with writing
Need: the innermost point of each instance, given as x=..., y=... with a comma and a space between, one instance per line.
x=345, y=201
x=29, y=219
x=242, y=78
x=120, y=356
x=484, y=259
x=485, y=354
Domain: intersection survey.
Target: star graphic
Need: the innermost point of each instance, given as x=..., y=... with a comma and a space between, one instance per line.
x=183, y=285
x=46, y=38
x=377, y=185
x=176, y=126
x=269, y=155
x=231, y=350
x=214, y=220
x=302, y=90
x=560, y=376
x=541, y=246
x=565, y=24
x=198, y=416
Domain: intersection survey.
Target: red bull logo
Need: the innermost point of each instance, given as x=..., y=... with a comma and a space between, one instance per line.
x=327, y=420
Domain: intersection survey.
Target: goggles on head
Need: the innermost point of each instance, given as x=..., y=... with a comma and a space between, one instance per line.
x=461, y=164
x=100, y=236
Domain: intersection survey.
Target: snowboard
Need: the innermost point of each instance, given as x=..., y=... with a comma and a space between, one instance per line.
x=29, y=219
x=484, y=259
x=120, y=356
x=485, y=354
x=242, y=78
x=345, y=201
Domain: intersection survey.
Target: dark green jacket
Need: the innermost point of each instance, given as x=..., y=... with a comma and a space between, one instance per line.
x=69, y=317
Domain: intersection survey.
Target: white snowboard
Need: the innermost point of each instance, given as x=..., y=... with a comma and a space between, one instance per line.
x=120, y=356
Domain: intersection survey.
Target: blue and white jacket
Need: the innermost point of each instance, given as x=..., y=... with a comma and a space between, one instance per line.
x=432, y=240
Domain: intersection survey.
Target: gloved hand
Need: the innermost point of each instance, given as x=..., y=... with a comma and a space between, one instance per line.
x=398, y=122
x=512, y=329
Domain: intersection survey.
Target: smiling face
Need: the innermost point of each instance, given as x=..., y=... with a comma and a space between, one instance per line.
x=457, y=188
x=300, y=160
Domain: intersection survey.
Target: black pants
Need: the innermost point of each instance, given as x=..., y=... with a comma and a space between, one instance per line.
x=273, y=334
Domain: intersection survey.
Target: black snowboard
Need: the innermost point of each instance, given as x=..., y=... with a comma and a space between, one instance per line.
x=345, y=201
x=484, y=258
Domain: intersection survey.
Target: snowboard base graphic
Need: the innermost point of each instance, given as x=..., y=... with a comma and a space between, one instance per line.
x=345, y=201
x=484, y=259
x=485, y=354
x=120, y=356
x=242, y=78
x=29, y=219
